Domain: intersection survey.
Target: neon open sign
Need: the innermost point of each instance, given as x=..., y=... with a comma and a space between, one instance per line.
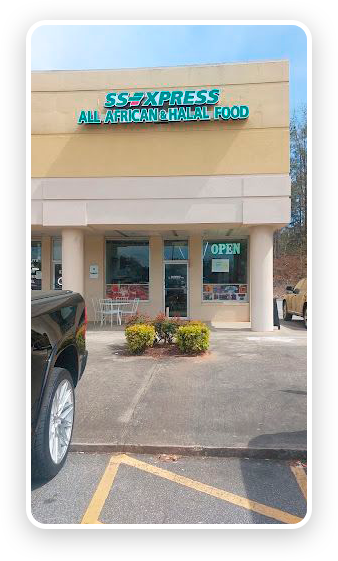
x=226, y=248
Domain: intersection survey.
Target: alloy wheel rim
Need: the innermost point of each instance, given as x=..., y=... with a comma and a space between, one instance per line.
x=61, y=421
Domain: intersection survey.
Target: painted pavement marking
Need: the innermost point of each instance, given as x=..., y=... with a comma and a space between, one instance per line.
x=300, y=475
x=94, y=509
x=99, y=498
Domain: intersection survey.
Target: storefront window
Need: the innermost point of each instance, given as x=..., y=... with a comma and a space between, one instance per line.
x=127, y=269
x=57, y=264
x=36, y=274
x=225, y=271
x=175, y=250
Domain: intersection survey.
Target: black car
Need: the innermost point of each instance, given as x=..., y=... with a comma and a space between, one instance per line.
x=58, y=351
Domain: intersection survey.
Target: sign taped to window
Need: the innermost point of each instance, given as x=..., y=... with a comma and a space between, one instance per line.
x=220, y=265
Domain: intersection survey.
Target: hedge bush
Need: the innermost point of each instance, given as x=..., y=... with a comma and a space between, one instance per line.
x=193, y=338
x=139, y=336
x=166, y=328
x=137, y=319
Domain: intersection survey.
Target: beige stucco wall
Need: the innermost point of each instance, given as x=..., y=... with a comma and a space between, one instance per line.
x=93, y=255
x=161, y=153
x=58, y=114
x=61, y=148
x=139, y=78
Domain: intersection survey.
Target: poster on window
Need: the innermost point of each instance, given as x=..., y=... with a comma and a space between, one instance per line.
x=57, y=276
x=219, y=265
x=127, y=291
x=35, y=278
x=225, y=292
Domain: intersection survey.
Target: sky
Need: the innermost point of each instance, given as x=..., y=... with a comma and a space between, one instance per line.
x=95, y=47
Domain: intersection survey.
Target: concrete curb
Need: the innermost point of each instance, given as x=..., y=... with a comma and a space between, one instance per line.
x=196, y=451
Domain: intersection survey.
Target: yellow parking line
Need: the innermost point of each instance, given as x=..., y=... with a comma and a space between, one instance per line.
x=99, y=498
x=213, y=491
x=301, y=478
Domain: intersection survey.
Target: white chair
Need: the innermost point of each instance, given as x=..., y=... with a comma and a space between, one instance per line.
x=97, y=311
x=109, y=309
x=124, y=311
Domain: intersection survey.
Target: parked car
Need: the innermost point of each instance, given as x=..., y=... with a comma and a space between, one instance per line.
x=58, y=359
x=295, y=302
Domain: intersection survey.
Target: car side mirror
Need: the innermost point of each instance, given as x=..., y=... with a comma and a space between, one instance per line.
x=296, y=291
x=289, y=289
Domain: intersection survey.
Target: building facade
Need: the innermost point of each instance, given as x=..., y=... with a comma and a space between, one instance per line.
x=163, y=184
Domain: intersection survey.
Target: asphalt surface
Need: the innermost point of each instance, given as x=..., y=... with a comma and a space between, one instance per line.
x=249, y=391
x=138, y=496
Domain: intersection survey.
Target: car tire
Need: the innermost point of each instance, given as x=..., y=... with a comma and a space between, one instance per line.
x=286, y=315
x=50, y=444
x=305, y=316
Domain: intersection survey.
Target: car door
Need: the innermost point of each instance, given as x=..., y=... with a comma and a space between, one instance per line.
x=301, y=298
x=297, y=297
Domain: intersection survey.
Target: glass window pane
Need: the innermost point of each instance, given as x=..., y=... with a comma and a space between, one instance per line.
x=127, y=269
x=225, y=271
x=299, y=284
x=57, y=250
x=176, y=290
x=57, y=276
x=36, y=276
x=176, y=250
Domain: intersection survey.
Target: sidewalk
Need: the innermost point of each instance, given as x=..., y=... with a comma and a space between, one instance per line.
x=248, y=393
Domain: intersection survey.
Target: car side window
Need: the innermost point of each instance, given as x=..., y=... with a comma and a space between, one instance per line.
x=299, y=285
x=64, y=317
x=68, y=313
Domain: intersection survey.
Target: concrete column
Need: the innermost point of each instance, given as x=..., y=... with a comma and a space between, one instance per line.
x=94, y=250
x=72, y=260
x=261, y=261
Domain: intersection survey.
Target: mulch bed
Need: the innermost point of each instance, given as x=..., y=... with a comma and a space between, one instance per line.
x=158, y=351
x=163, y=351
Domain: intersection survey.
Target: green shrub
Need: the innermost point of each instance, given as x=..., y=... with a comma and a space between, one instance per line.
x=139, y=336
x=165, y=328
x=193, y=338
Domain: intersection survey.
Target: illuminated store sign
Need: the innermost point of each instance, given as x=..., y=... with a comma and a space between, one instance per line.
x=168, y=106
x=226, y=248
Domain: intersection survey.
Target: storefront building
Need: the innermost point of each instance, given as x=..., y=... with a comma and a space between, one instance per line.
x=163, y=184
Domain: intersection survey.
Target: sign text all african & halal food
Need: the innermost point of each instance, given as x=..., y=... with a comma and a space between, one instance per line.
x=167, y=106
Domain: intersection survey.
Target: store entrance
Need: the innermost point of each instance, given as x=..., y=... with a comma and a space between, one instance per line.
x=176, y=288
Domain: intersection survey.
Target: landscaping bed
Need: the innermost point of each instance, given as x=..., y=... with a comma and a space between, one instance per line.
x=164, y=336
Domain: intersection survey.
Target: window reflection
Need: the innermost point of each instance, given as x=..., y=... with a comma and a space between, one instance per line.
x=127, y=269
x=175, y=250
x=225, y=271
x=36, y=262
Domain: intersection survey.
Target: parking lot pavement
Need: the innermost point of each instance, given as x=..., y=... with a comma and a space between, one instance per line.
x=139, y=489
x=248, y=391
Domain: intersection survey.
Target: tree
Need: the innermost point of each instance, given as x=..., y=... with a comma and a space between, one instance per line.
x=291, y=240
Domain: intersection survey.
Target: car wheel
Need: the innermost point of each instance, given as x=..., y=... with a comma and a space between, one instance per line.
x=286, y=315
x=53, y=433
x=305, y=317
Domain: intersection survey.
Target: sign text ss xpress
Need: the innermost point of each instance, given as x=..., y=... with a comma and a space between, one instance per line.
x=157, y=106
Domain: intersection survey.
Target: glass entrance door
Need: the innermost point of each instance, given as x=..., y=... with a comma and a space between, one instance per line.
x=176, y=289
